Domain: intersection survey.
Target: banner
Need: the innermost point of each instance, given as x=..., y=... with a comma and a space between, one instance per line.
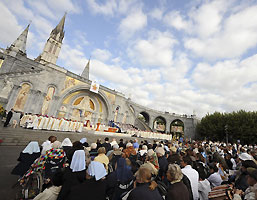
x=94, y=87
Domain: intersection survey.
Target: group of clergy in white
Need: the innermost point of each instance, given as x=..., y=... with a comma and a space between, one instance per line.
x=40, y=122
x=149, y=134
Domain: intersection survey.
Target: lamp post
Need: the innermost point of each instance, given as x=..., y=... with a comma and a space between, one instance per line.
x=226, y=131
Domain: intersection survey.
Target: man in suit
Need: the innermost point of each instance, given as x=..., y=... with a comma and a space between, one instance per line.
x=9, y=117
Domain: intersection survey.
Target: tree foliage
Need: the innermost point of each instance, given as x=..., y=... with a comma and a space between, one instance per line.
x=241, y=125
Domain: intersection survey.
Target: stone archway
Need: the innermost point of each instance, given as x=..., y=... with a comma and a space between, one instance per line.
x=177, y=128
x=84, y=105
x=144, y=116
x=159, y=124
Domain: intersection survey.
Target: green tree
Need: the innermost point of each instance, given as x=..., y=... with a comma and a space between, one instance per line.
x=240, y=125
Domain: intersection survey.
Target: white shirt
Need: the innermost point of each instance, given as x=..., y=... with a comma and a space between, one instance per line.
x=204, y=187
x=193, y=176
x=215, y=179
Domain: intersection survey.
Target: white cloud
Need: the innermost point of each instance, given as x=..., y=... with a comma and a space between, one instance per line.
x=156, y=13
x=80, y=38
x=134, y=22
x=42, y=8
x=174, y=19
x=114, y=74
x=233, y=81
x=156, y=51
x=61, y=6
x=217, y=29
x=207, y=19
x=112, y=7
x=153, y=66
x=9, y=29
x=73, y=59
x=106, y=9
x=101, y=54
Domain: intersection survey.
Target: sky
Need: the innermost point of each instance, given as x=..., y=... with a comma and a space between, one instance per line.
x=180, y=56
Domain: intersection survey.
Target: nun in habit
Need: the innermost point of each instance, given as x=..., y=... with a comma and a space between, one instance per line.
x=66, y=144
x=94, y=186
x=26, y=158
x=74, y=175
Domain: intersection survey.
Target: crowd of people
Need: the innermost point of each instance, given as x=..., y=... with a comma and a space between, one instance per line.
x=143, y=170
x=44, y=122
x=40, y=122
x=135, y=132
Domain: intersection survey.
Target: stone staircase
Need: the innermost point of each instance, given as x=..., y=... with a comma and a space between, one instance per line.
x=21, y=137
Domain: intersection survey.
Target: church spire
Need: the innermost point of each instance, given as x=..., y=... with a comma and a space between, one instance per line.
x=19, y=45
x=59, y=29
x=53, y=45
x=85, y=73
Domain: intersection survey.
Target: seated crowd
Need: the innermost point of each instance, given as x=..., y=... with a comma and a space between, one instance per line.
x=135, y=170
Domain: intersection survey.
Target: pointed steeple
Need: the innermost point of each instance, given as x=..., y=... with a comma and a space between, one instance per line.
x=53, y=45
x=85, y=72
x=19, y=45
x=59, y=29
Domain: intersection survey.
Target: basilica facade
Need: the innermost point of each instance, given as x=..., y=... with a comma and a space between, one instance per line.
x=40, y=86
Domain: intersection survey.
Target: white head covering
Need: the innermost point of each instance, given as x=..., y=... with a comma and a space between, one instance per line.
x=113, y=143
x=66, y=143
x=47, y=142
x=78, y=162
x=31, y=148
x=83, y=140
x=129, y=144
x=160, y=151
x=245, y=156
x=116, y=146
x=93, y=146
x=46, y=146
x=150, y=152
x=97, y=170
x=144, y=147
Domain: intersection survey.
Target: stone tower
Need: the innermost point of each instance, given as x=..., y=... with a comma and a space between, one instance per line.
x=19, y=45
x=53, y=45
x=85, y=72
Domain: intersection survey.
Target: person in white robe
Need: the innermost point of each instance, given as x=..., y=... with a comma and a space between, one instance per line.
x=73, y=126
x=80, y=128
x=70, y=126
x=61, y=124
x=41, y=123
x=35, y=122
x=56, y=125
x=76, y=126
x=30, y=122
x=65, y=125
x=46, y=123
x=50, y=123
x=23, y=120
x=40, y=117
x=52, y=126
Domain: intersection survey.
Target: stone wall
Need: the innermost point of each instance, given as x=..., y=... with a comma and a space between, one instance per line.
x=21, y=69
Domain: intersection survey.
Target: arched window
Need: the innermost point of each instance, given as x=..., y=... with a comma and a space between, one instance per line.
x=22, y=97
x=51, y=47
x=55, y=48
